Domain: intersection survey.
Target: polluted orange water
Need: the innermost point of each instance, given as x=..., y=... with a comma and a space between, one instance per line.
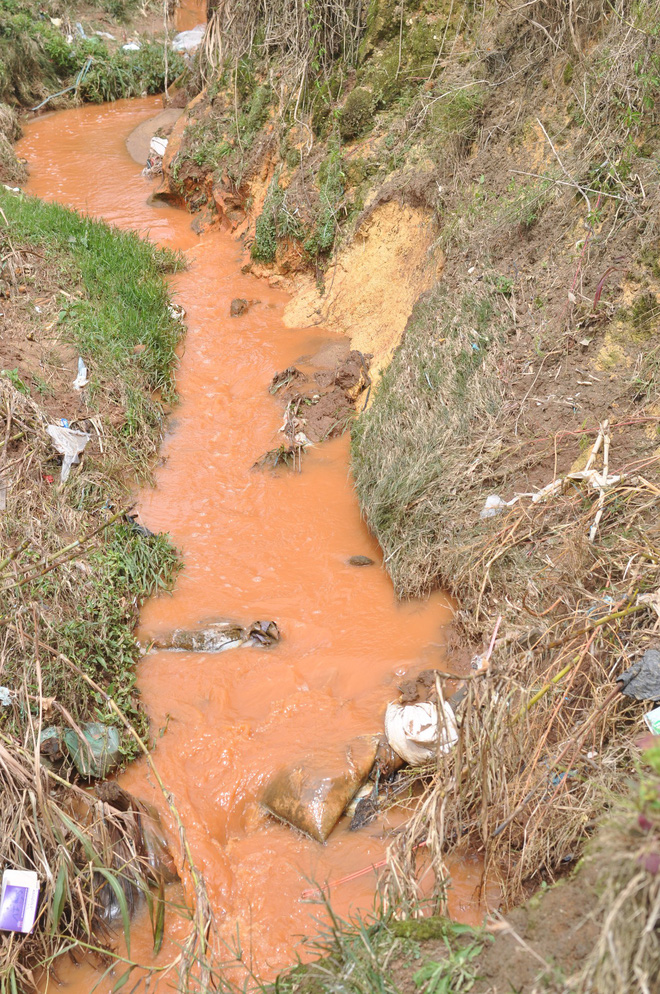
x=255, y=546
x=189, y=13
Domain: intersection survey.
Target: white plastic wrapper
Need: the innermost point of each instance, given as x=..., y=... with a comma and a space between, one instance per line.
x=417, y=733
x=81, y=379
x=70, y=444
x=158, y=145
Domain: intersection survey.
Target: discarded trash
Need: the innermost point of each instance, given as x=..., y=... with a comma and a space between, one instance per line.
x=131, y=46
x=363, y=809
x=312, y=795
x=98, y=754
x=146, y=829
x=70, y=444
x=158, y=145
x=81, y=379
x=642, y=680
x=494, y=504
x=6, y=697
x=50, y=745
x=188, y=41
x=413, y=730
x=274, y=458
x=18, y=900
x=105, y=34
x=360, y=561
x=220, y=636
x=80, y=30
x=134, y=524
x=176, y=311
x=652, y=719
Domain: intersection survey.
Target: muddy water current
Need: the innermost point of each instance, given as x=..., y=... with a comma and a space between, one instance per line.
x=254, y=545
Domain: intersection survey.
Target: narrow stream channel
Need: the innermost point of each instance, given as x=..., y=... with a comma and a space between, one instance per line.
x=255, y=545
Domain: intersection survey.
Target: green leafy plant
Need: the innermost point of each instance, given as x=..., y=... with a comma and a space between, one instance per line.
x=455, y=974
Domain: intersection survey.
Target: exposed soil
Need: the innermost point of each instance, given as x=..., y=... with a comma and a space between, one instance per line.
x=31, y=345
x=537, y=948
x=139, y=139
x=369, y=292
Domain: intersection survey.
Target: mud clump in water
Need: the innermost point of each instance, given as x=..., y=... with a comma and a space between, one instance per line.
x=319, y=403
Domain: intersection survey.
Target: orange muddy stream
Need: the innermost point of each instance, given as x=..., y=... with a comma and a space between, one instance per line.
x=255, y=545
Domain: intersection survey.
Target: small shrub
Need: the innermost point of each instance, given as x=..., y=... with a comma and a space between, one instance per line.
x=277, y=220
x=331, y=181
x=357, y=113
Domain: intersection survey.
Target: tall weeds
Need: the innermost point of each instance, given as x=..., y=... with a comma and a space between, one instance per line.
x=304, y=38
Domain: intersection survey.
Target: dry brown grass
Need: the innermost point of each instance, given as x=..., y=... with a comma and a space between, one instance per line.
x=627, y=954
x=84, y=852
x=306, y=38
x=545, y=739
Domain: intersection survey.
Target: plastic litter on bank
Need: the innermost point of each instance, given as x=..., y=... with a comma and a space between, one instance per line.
x=642, y=679
x=70, y=444
x=81, y=379
x=188, y=41
x=95, y=755
x=652, y=719
x=18, y=900
x=418, y=732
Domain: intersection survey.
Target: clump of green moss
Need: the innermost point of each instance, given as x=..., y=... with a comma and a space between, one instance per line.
x=256, y=114
x=356, y=114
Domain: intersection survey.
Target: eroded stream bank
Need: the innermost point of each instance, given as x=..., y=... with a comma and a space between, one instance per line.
x=255, y=545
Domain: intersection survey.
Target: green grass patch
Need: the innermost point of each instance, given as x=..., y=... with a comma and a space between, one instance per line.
x=115, y=298
x=362, y=955
x=411, y=450
x=121, y=303
x=89, y=616
x=36, y=60
x=278, y=220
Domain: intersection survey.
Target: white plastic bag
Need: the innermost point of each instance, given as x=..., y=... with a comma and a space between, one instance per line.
x=188, y=41
x=416, y=735
x=70, y=444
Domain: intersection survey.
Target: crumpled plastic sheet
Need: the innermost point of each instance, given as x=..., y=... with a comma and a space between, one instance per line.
x=70, y=444
x=417, y=733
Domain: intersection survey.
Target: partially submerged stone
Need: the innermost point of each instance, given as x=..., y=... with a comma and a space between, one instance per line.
x=360, y=561
x=313, y=794
x=220, y=636
x=238, y=306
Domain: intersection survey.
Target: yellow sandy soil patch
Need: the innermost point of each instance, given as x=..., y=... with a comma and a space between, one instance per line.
x=371, y=289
